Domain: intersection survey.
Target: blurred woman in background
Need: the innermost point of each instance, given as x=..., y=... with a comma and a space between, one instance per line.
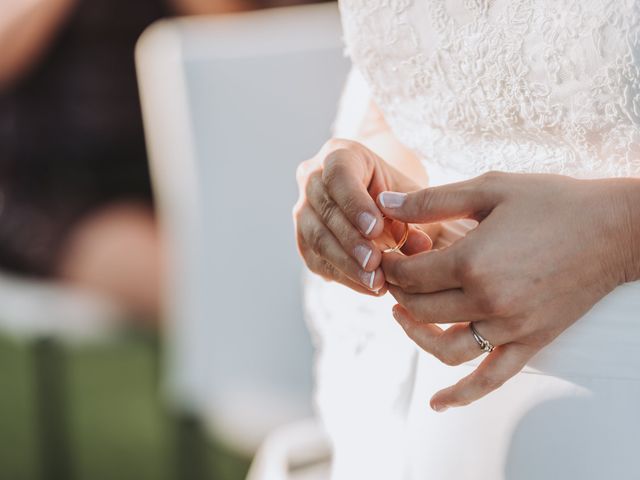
x=75, y=196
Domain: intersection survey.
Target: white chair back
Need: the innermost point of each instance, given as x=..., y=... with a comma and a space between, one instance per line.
x=231, y=105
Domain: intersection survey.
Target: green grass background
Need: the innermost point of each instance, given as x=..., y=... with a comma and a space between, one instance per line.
x=118, y=425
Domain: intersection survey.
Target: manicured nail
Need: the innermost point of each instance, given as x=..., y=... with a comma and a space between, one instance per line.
x=368, y=278
x=363, y=254
x=392, y=199
x=366, y=222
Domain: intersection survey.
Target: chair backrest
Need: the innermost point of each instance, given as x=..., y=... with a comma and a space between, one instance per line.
x=231, y=105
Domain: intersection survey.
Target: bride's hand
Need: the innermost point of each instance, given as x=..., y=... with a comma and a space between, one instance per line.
x=336, y=217
x=547, y=248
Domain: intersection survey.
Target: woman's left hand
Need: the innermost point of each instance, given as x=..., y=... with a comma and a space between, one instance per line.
x=546, y=249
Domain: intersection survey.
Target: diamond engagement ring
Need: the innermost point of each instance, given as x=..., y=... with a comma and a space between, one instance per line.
x=484, y=344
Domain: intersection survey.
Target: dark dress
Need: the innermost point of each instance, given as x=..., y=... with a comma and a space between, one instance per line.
x=71, y=138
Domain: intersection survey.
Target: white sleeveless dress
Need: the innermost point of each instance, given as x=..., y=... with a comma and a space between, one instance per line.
x=472, y=86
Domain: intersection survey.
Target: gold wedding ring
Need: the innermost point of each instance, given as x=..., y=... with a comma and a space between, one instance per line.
x=398, y=246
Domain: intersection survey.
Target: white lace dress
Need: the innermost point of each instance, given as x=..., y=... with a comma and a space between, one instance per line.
x=471, y=86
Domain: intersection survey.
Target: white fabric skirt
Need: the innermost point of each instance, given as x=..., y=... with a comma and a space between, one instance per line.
x=573, y=412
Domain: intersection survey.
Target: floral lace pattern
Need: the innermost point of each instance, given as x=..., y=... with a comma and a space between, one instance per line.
x=513, y=85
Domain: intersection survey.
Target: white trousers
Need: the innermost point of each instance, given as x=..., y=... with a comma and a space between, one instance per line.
x=573, y=412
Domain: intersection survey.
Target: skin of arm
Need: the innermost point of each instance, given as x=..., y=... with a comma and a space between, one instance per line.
x=27, y=28
x=631, y=225
x=210, y=7
x=375, y=134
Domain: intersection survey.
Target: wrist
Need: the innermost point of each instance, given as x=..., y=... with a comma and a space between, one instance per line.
x=626, y=213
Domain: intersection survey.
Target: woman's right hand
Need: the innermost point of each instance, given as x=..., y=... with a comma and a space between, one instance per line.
x=336, y=218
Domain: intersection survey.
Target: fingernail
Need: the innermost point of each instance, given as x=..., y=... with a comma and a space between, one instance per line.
x=368, y=278
x=392, y=199
x=366, y=222
x=402, y=321
x=440, y=408
x=363, y=254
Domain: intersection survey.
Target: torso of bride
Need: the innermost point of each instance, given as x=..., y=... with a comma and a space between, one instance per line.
x=514, y=85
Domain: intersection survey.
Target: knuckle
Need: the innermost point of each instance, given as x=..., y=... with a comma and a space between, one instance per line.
x=299, y=228
x=301, y=171
x=502, y=304
x=467, y=268
x=318, y=242
x=519, y=327
x=494, y=304
x=538, y=338
x=332, y=165
x=350, y=205
x=491, y=177
x=442, y=351
x=329, y=271
x=394, y=270
x=488, y=185
x=448, y=357
x=300, y=217
x=400, y=274
x=312, y=263
x=304, y=253
x=337, y=143
x=331, y=171
x=300, y=242
x=326, y=207
x=296, y=213
x=312, y=184
x=491, y=296
x=304, y=169
x=321, y=267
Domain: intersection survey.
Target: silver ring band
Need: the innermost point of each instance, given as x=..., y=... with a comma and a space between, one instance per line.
x=484, y=344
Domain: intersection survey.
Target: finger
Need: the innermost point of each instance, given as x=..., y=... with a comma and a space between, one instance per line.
x=305, y=169
x=425, y=272
x=346, y=175
x=323, y=268
x=417, y=242
x=448, y=306
x=425, y=335
x=499, y=366
x=321, y=241
x=453, y=345
x=469, y=199
x=434, y=230
x=361, y=249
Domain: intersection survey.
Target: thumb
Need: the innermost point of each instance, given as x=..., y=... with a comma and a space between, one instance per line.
x=468, y=199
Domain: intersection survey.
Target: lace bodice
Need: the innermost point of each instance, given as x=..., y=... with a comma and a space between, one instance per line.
x=513, y=85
